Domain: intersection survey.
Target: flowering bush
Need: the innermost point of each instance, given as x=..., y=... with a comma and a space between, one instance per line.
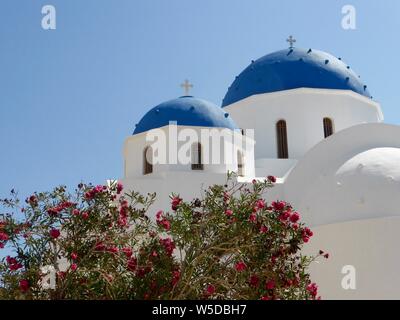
x=99, y=243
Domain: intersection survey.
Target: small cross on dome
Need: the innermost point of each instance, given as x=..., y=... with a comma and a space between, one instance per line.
x=291, y=41
x=187, y=86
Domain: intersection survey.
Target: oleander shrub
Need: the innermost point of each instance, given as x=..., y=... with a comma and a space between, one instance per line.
x=100, y=242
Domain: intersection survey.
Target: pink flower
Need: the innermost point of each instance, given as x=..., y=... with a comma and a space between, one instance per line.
x=175, y=203
x=254, y=281
x=260, y=204
x=11, y=260
x=228, y=213
x=307, y=234
x=89, y=195
x=3, y=236
x=120, y=187
x=165, y=224
x=289, y=283
x=271, y=178
x=240, y=266
x=154, y=254
x=74, y=256
x=263, y=229
x=312, y=289
x=113, y=249
x=284, y=216
x=176, y=275
x=75, y=212
x=54, y=233
x=270, y=285
x=210, y=289
x=294, y=217
x=123, y=222
x=159, y=215
x=141, y=272
x=252, y=218
x=123, y=211
x=57, y=209
x=66, y=204
x=226, y=197
x=85, y=215
x=16, y=266
x=278, y=205
x=13, y=264
x=24, y=285
x=53, y=211
x=168, y=245
x=132, y=264
x=100, y=246
x=74, y=266
x=127, y=251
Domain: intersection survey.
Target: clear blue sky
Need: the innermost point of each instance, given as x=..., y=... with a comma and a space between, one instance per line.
x=69, y=97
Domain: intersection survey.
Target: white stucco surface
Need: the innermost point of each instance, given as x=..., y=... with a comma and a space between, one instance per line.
x=370, y=246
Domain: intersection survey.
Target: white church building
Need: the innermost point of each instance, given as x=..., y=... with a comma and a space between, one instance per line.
x=313, y=124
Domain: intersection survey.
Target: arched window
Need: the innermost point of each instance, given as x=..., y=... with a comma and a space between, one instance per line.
x=240, y=162
x=328, y=127
x=197, y=163
x=281, y=139
x=147, y=160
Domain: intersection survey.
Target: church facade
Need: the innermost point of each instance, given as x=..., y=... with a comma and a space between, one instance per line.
x=304, y=116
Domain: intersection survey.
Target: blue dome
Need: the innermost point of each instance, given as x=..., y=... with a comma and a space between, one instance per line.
x=186, y=111
x=294, y=68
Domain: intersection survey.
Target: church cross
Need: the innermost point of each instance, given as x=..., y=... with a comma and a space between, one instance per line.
x=186, y=86
x=291, y=41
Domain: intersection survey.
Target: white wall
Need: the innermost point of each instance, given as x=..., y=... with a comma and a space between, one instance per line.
x=274, y=167
x=180, y=178
x=370, y=246
x=304, y=110
x=136, y=144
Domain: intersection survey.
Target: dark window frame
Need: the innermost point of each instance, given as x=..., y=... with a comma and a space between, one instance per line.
x=197, y=147
x=147, y=165
x=282, y=140
x=328, y=127
x=240, y=164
